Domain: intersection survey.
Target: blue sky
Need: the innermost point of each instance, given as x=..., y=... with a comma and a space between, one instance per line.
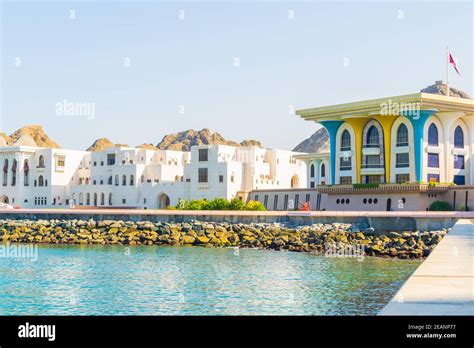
x=188, y=64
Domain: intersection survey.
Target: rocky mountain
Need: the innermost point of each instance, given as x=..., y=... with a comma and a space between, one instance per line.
x=183, y=141
x=35, y=135
x=440, y=88
x=102, y=144
x=318, y=142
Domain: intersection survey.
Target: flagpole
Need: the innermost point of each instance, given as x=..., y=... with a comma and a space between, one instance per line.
x=447, y=71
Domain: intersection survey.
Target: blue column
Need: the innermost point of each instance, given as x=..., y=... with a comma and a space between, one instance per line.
x=332, y=127
x=418, y=120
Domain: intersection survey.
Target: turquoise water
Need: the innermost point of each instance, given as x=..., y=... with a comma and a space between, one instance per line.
x=153, y=280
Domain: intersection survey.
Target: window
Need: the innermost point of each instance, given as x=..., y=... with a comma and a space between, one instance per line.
x=311, y=184
x=403, y=160
x=307, y=198
x=202, y=175
x=373, y=179
x=95, y=164
x=110, y=181
x=41, y=162
x=232, y=177
x=26, y=171
x=433, y=177
x=132, y=180
x=459, y=180
x=5, y=172
x=345, y=141
x=88, y=199
x=345, y=180
x=221, y=178
x=323, y=170
x=297, y=200
x=458, y=138
x=60, y=161
x=124, y=180
x=203, y=155
x=345, y=163
x=41, y=180
x=433, y=160
x=458, y=161
x=116, y=180
x=124, y=201
x=14, y=168
x=275, y=202
x=402, y=178
x=110, y=198
x=373, y=137
x=110, y=159
x=402, y=136
x=433, y=135
x=285, y=202
x=311, y=171
x=265, y=201
x=372, y=161
x=102, y=198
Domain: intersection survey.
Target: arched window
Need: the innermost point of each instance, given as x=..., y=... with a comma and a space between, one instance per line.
x=14, y=168
x=5, y=172
x=41, y=181
x=124, y=180
x=323, y=170
x=110, y=198
x=46, y=182
x=116, y=180
x=345, y=141
x=88, y=198
x=373, y=137
x=81, y=199
x=41, y=162
x=132, y=180
x=433, y=135
x=458, y=138
x=110, y=182
x=402, y=135
x=95, y=199
x=87, y=181
x=311, y=171
x=102, y=198
x=26, y=171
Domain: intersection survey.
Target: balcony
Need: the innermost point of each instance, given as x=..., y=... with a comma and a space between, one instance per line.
x=385, y=188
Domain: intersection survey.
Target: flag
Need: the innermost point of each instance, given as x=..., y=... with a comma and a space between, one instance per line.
x=451, y=61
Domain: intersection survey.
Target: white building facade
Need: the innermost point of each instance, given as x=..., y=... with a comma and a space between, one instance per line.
x=125, y=177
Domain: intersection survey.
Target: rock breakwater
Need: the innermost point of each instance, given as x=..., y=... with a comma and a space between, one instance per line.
x=312, y=238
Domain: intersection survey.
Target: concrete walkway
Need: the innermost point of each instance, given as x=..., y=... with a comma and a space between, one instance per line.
x=444, y=283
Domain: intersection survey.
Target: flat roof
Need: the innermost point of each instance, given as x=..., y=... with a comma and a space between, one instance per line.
x=369, y=107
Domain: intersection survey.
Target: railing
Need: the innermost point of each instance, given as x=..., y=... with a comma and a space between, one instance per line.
x=383, y=188
x=371, y=145
x=375, y=165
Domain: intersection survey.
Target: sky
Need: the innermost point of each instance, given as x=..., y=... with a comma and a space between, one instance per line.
x=146, y=69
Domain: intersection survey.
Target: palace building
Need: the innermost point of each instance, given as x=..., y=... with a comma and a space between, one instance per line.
x=411, y=138
x=395, y=153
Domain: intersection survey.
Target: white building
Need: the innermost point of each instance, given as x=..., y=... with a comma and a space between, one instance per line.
x=140, y=178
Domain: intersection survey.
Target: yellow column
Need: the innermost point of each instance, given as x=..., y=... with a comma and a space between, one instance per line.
x=357, y=124
x=386, y=121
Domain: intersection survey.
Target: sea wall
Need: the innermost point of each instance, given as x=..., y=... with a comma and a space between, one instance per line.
x=335, y=239
x=382, y=222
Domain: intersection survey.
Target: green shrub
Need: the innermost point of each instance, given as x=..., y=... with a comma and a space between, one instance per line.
x=236, y=204
x=217, y=204
x=195, y=204
x=367, y=185
x=255, y=205
x=463, y=208
x=171, y=207
x=440, y=206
